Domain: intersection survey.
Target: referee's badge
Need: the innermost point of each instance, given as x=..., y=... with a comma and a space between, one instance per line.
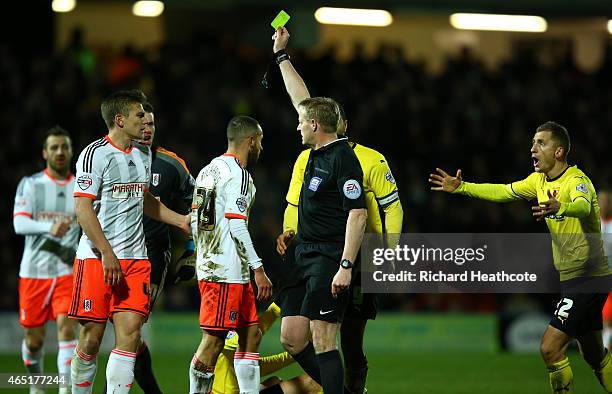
x=352, y=189
x=314, y=183
x=155, y=179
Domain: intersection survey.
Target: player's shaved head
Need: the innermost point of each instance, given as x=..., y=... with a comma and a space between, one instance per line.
x=325, y=111
x=559, y=134
x=242, y=127
x=119, y=103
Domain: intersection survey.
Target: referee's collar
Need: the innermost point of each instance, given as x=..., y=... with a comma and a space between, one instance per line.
x=329, y=144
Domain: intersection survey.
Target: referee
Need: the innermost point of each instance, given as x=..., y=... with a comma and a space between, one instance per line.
x=331, y=221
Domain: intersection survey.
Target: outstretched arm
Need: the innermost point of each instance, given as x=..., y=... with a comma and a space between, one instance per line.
x=485, y=191
x=294, y=84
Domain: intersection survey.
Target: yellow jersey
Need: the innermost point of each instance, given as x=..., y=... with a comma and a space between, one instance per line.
x=576, y=228
x=378, y=184
x=225, y=381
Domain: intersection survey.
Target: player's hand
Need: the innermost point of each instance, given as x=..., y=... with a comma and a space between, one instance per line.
x=112, y=269
x=280, y=37
x=341, y=281
x=186, y=224
x=60, y=228
x=443, y=182
x=264, y=286
x=283, y=241
x=549, y=207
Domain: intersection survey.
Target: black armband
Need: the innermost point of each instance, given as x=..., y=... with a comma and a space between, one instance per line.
x=281, y=56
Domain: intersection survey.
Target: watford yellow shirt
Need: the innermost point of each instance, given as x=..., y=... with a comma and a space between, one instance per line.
x=378, y=184
x=576, y=229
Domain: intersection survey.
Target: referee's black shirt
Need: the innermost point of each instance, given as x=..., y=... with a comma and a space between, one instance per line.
x=333, y=185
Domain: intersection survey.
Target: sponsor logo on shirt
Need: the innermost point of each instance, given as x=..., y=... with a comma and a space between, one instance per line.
x=21, y=202
x=155, y=179
x=314, y=183
x=352, y=189
x=241, y=203
x=582, y=188
x=84, y=182
x=389, y=177
x=124, y=191
x=50, y=216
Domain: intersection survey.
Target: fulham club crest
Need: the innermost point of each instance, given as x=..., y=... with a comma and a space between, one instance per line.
x=155, y=179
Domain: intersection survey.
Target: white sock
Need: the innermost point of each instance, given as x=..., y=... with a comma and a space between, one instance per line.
x=33, y=361
x=607, y=337
x=246, y=366
x=82, y=372
x=64, y=356
x=201, y=377
x=120, y=371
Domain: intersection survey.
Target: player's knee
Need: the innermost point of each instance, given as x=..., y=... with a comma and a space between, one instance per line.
x=550, y=352
x=66, y=331
x=292, y=342
x=34, y=342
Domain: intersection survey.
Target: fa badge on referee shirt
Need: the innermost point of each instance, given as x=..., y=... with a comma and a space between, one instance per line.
x=155, y=179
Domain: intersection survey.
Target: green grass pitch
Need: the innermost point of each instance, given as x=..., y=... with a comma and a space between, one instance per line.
x=392, y=373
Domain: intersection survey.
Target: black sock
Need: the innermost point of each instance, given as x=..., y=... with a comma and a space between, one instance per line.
x=308, y=362
x=332, y=374
x=143, y=373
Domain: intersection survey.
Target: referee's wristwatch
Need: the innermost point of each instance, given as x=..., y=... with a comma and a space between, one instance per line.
x=346, y=264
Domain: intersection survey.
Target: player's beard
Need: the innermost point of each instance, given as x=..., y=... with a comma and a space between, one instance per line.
x=60, y=169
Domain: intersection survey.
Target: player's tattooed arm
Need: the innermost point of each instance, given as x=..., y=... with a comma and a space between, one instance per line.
x=294, y=84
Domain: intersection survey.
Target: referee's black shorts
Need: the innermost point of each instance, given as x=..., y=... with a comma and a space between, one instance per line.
x=311, y=296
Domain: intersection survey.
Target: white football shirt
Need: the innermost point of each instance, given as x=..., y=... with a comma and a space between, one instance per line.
x=45, y=199
x=220, y=258
x=116, y=180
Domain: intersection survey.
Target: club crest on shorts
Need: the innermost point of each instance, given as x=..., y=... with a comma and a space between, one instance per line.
x=87, y=305
x=155, y=179
x=314, y=183
x=351, y=189
x=232, y=316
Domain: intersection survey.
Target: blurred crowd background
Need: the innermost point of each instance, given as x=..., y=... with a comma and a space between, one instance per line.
x=464, y=115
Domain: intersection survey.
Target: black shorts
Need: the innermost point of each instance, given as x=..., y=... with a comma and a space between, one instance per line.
x=579, y=313
x=362, y=306
x=311, y=296
x=160, y=259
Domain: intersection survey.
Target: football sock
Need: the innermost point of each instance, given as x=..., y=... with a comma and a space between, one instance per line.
x=561, y=377
x=64, y=356
x=607, y=337
x=307, y=360
x=355, y=378
x=246, y=366
x=332, y=375
x=33, y=361
x=604, y=373
x=82, y=372
x=120, y=371
x=143, y=371
x=200, y=377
